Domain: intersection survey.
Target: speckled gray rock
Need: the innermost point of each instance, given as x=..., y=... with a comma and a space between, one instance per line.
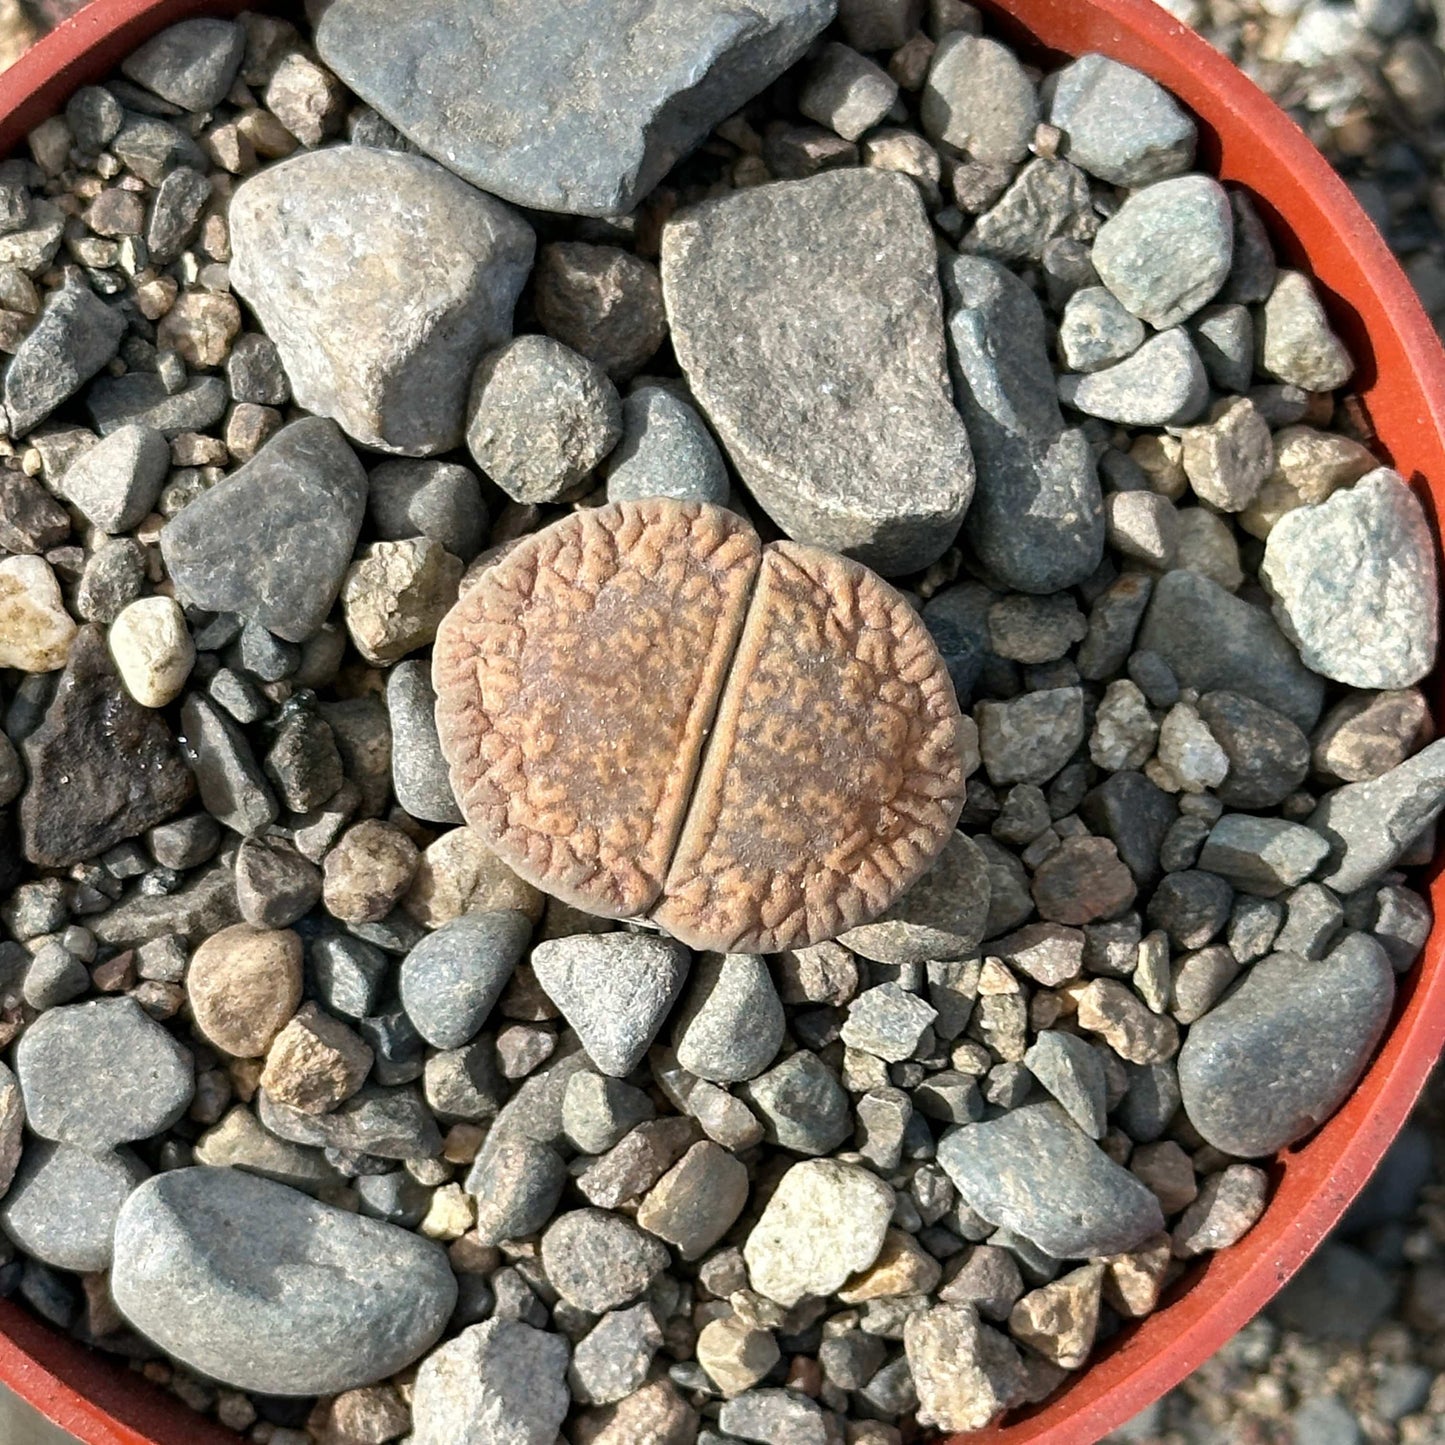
x=1049, y=201
x=1263, y=856
x=666, y=451
x=1034, y=1171
x=1374, y=623
x=802, y=1104
x=1096, y=330
x=1369, y=826
x=272, y=541
x=730, y=1026
x=498, y=1383
x=1268, y=755
x=116, y=482
x=1279, y=1055
x=887, y=1022
x=1162, y=384
x=140, y=398
x=392, y=1123
x=541, y=416
x=597, y=1260
x=940, y=917
x=1119, y=124
x=1212, y=640
x=64, y=1203
x=1070, y=1069
x=1031, y=737
x=615, y=989
x=501, y=105
x=382, y=279
x=418, y=770
x=1167, y=250
x=1294, y=339
x=75, y=335
x=102, y=1073
x=230, y=781
x=263, y=1288
x=612, y=1360
x=1037, y=519
x=191, y=64
x=516, y=1183
x=452, y=979
x=806, y=316
x=978, y=99
x=419, y=498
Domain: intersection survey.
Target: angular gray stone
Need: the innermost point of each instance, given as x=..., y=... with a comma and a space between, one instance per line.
x=774, y=1414
x=102, y=767
x=191, y=64
x=516, y=1183
x=598, y=1111
x=392, y=1123
x=272, y=542
x=1037, y=519
x=1031, y=737
x=497, y=1383
x=1162, y=384
x=240, y=1141
x=1371, y=624
x=847, y=92
x=602, y=301
x=1294, y=339
x=505, y=105
x=1280, y=1054
x=75, y=335
x=453, y=978
x=1269, y=756
x=439, y=500
x=1071, y=1070
x=230, y=781
x=1224, y=339
x=140, y=398
x=1119, y=125
x=941, y=917
x=1167, y=250
x=263, y=1288
x=1050, y=200
x=1263, y=856
x=978, y=99
x=64, y=1203
x=116, y=483
x=102, y=1073
x=1370, y=826
x=382, y=279
x=666, y=451
x=806, y=316
x=612, y=1360
x=802, y=1104
x=614, y=989
x=1214, y=640
x=887, y=1022
x=1096, y=330
x=730, y=1026
x=418, y=770
x=1034, y=1171
x=597, y=1260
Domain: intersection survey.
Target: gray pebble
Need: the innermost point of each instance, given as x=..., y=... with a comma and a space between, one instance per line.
x=1029, y=739
x=1224, y=338
x=1070, y=1069
x=517, y=1184
x=1294, y=339
x=392, y=1123
x=418, y=770
x=254, y=372
x=54, y=977
x=598, y=1111
x=63, y=1205
x=1262, y=855
x=116, y=483
x=731, y=1022
x=1049, y=199
x=978, y=99
x=1268, y=755
x=75, y=335
x=428, y=499
x=275, y=885
x=666, y=451
x=597, y=1260
x=1161, y=384
x=191, y=64
x=229, y=779
x=1096, y=330
x=887, y=1022
x=453, y=978
x=613, y=1359
x=140, y=398
x=771, y=1416
x=846, y=91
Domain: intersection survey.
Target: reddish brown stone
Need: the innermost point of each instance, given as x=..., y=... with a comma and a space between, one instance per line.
x=576, y=685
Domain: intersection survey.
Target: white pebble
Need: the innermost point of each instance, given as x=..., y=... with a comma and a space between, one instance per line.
x=153, y=650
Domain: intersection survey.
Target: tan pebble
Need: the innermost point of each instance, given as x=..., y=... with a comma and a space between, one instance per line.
x=370, y=868
x=244, y=984
x=315, y=1063
x=459, y=874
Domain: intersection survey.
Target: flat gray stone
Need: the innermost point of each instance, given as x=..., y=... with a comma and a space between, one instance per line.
x=807, y=319
x=418, y=771
x=1373, y=624
x=1263, y=856
x=230, y=781
x=802, y=1104
x=1049, y=201
x=191, y=64
x=1269, y=756
x=730, y=1026
x=1034, y=1171
x=75, y=335
x=1119, y=125
x=240, y=1141
x=382, y=279
x=666, y=451
x=1037, y=519
x=392, y=1123
x=265, y=1289
x=1281, y=1053
x=272, y=542
x=515, y=108
x=1070, y=1069
x=501, y=1382
x=1031, y=737
x=978, y=99
x=1162, y=384
x=140, y=398
x=614, y=989
x=612, y=1360
x=1213, y=640
x=887, y=1022
x=64, y=1203
x=453, y=978
x=116, y=482
x=1370, y=826
x=102, y=1073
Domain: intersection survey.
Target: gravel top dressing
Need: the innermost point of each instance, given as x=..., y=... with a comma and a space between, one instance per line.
x=513, y=929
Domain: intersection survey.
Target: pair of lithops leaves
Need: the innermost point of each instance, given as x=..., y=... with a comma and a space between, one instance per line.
x=648, y=713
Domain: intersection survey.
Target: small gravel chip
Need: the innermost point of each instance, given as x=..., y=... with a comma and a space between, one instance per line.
x=1119, y=125
x=887, y=1022
x=731, y=1023
x=597, y=1260
x=117, y=482
x=1029, y=739
x=598, y=1111
x=1071, y=1070
x=697, y=1201
x=1060, y=1320
x=440, y=500
x=614, y=989
x=243, y=985
x=191, y=64
x=1279, y=1055
x=102, y=1073
x=1263, y=856
x=846, y=91
x=666, y=451
x=517, y=1184
x=1136, y=1033
x=1366, y=734
x=1161, y=384
x=803, y=1106
x=315, y=1063
x=1373, y=624
x=1295, y=342
x=613, y=1359
x=1082, y=880
x=1169, y=1172
x=1096, y=330
x=541, y=417
x=978, y=99
x=1228, y=459
x=766, y=1416
x=1048, y=953
x=195, y=1272
x=452, y=979
x=966, y=1374
x=418, y=770
x=825, y=1222
x=1228, y=1207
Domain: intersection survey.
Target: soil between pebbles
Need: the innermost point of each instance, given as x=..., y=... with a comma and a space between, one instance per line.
x=837, y=1237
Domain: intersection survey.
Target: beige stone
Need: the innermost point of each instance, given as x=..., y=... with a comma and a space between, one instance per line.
x=153, y=650
x=396, y=595
x=1061, y=1319
x=736, y=1354
x=903, y=1267
x=35, y=629
x=459, y=874
x=366, y=873
x=315, y=1063
x=244, y=983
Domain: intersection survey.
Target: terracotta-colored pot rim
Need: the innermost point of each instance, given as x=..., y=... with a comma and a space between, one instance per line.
x=1317, y=224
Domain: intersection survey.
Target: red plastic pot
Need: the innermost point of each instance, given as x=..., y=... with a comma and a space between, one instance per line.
x=1318, y=226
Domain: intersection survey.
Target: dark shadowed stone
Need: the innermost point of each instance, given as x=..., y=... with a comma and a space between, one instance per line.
x=259, y=1286
x=807, y=319
x=1280, y=1054
x=76, y=335
x=102, y=767
x=505, y=104
x=1037, y=519
x=191, y=64
x=1268, y=755
x=140, y=398
x=1036, y=1172
x=272, y=542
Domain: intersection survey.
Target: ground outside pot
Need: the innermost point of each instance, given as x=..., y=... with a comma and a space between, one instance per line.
x=1317, y=225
